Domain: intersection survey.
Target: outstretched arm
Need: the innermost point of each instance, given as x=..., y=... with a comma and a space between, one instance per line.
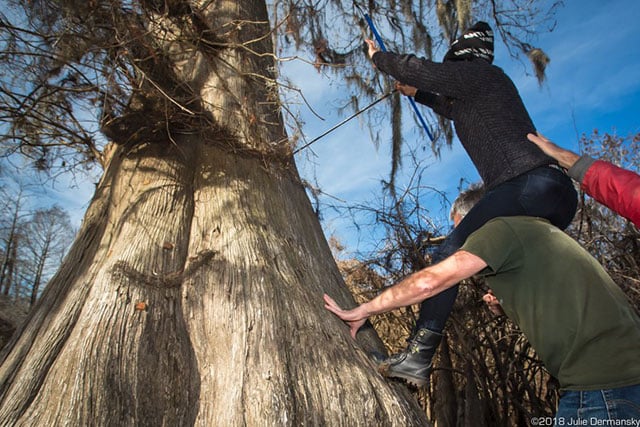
x=428, y=76
x=565, y=158
x=615, y=187
x=413, y=289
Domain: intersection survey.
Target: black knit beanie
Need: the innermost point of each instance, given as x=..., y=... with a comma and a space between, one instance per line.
x=476, y=42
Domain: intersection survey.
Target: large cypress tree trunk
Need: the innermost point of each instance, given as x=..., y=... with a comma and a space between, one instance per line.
x=193, y=292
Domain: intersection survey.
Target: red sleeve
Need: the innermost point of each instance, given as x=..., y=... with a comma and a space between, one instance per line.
x=614, y=187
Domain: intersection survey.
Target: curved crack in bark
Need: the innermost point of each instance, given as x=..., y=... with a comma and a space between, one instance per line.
x=123, y=270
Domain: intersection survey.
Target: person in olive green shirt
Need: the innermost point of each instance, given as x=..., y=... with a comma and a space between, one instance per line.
x=575, y=316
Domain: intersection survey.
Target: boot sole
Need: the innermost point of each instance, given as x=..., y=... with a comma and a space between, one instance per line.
x=414, y=381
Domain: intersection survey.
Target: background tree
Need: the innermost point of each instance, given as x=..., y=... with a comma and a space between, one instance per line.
x=12, y=311
x=33, y=244
x=192, y=294
x=47, y=236
x=11, y=220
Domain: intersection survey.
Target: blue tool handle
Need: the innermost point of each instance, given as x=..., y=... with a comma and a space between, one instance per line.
x=420, y=119
x=375, y=32
x=383, y=48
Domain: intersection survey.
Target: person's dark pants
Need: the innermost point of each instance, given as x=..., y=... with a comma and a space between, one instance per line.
x=544, y=192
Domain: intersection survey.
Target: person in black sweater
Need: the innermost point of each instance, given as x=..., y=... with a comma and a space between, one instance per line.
x=492, y=124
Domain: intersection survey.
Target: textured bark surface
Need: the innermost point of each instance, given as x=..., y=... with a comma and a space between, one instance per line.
x=193, y=293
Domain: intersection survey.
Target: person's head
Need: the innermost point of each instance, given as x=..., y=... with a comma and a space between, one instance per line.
x=465, y=201
x=474, y=43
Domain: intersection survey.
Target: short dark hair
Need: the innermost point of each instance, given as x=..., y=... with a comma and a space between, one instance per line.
x=467, y=199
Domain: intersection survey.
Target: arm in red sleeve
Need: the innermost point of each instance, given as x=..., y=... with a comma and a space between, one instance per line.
x=614, y=187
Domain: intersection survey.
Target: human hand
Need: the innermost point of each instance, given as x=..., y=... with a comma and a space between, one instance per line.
x=565, y=158
x=372, y=48
x=354, y=318
x=406, y=89
x=493, y=304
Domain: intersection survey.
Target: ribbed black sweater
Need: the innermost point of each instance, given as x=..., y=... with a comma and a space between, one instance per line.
x=489, y=116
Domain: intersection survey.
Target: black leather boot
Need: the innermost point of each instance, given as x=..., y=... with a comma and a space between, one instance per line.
x=414, y=363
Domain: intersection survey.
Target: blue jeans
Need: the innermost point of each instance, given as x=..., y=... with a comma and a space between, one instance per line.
x=544, y=192
x=589, y=407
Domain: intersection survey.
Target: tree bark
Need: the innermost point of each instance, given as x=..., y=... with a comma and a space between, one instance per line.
x=193, y=297
x=193, y=292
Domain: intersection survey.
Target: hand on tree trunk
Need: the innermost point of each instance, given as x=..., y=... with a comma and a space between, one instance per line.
x=355, y=318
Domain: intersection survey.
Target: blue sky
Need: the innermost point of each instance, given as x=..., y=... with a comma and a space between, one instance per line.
x=593, y=82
